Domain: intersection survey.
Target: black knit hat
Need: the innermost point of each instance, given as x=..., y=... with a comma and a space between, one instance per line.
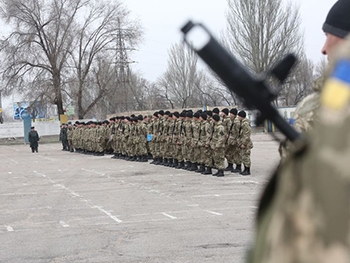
x=189, y=114
x=242, y=114
x=225, y=111
x=176, y=114
x=196, y=115
x=183, y=114
x=216, y=110
x=210, y=113
x=338, y=22
x=234, y=111
x=204, y=116
x=161, y=112
x=216, y=118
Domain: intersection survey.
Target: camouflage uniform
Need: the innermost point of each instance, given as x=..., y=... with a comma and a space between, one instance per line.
x=218, y=145
x=177, y=140
x=304, y=115
x=304, y=213
x=244, y=142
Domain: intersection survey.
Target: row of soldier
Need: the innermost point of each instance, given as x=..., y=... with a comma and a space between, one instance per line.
x=197, y=141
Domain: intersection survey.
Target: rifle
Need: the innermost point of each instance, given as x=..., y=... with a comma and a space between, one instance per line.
x=254, y=91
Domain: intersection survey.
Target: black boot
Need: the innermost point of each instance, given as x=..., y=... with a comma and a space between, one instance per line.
x=170, y=162
x=175, y=163
x=115, y=156
x=181, y=165
x=165, y=162
x=238, y=169
x=246, y=171
x=144, y=159
x=188, y=165
x=229, y=167
x=220, y=173
x=208, y=171
x=154, y=161
x=158, y=161
x=194, y=167
x=201, y=169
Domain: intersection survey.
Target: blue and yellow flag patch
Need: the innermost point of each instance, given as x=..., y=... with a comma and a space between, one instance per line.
x=336, y=92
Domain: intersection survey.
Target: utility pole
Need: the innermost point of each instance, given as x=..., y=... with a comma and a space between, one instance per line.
x=122, y=63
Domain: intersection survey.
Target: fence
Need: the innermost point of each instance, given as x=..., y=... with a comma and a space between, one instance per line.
x=16, y=129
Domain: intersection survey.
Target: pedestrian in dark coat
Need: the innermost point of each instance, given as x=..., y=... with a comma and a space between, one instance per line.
x=33, y=139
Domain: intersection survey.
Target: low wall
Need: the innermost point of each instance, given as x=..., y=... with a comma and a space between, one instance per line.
x=15, y=129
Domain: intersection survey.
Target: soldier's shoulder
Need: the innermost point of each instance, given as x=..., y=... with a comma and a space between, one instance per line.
x=309, y=104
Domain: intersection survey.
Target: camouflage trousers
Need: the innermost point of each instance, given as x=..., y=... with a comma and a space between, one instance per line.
x=197, y=156
x=189, y=153
x=157, y=152
x=178, y=152
x=169, y=151
x=99, y=146
x=151, y=146
x=71, y=144
x=232, y=154
x=206, y=156
x=219, y=158
x=245, y=157
x=141, y=148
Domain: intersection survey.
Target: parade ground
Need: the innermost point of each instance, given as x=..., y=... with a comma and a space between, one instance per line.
x=58, y=206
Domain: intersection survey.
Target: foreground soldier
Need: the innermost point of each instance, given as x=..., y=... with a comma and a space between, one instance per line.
x=304, y=214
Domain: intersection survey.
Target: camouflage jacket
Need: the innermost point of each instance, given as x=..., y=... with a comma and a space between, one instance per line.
x=304, y=213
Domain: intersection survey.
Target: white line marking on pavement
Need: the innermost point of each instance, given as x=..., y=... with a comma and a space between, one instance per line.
x=109, y=214
x=9, y=229
x=52, y=181
x=83, y=200
x=46, y=158
x=217, y=195
x=93, y=171
x=14, y=194
x=214, y=213
x=12, y=160
x=170, y=216
x=63, y=224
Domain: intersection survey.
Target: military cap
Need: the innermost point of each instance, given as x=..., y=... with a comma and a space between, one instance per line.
x=225, y=111
x=216, y=110
x=242, y=114
x=233, y=111
x=216, y=118
x=337, y=21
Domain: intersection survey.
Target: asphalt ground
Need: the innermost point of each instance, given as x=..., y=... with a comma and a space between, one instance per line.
x=57, y=206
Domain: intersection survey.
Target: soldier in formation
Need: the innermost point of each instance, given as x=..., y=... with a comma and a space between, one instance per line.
x=195, y=141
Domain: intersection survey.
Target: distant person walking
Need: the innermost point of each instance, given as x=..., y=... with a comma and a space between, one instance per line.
x=33, y=139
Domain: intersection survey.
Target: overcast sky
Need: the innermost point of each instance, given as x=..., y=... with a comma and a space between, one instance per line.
x=162, y=21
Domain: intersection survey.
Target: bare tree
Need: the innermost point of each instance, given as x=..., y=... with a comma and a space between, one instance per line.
x=97, y=37
x=178, y=82
x=300, y=82
x=261, y=32
x=39, y=43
